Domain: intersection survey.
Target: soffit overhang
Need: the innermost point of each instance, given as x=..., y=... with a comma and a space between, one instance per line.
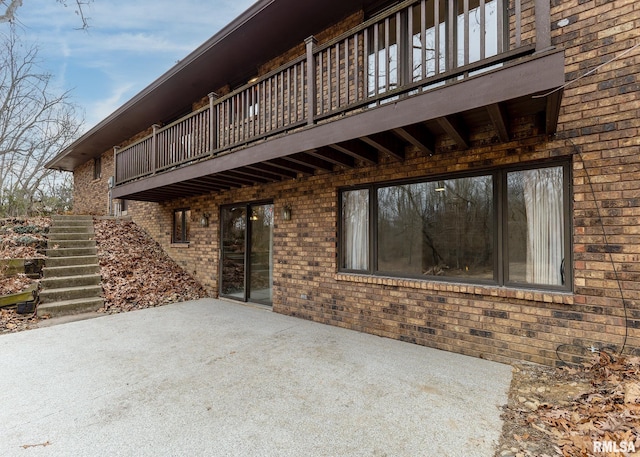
x=264, y=31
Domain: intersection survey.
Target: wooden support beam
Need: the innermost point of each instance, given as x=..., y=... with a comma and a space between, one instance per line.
x=188, y=188
x=243, y=177
x=357, y=150
x=454, y=128
x=552, y=112
x=210, y=184
x=258, y=174
x=224, y=181
x=333, y=156
x=543, y=25
x=500, y=119
x=387, y=143
x=291, y=166
x=264, y=167
x=308, y=160
x=419, y=136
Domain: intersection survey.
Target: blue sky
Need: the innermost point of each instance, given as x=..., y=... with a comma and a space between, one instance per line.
x=129, y=44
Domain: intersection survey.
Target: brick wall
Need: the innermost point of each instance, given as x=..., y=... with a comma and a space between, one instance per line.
x=598, y=133
x=91, y=196
x=600, y=116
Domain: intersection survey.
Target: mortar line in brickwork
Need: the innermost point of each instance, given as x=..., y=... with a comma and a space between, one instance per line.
x=593, y=70
x=607, y=245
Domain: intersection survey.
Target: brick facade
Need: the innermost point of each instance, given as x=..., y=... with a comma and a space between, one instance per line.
x=598, y=134
x=91, y=195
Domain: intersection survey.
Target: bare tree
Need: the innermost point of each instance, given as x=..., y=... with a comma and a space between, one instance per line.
x=9, y=9
x=35, y=124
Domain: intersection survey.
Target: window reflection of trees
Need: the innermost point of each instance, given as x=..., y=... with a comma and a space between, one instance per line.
x=437, y=228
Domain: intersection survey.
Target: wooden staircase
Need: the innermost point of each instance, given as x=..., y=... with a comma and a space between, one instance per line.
x=71, y=281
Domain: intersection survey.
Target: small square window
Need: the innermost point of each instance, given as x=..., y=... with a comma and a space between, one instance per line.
x=181, y=225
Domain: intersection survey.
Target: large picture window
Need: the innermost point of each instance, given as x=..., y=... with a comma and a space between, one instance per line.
x=504, y=227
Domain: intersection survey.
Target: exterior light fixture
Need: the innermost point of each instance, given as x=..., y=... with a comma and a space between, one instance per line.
x=204, y=220
x=286, y=212
x=440, y=187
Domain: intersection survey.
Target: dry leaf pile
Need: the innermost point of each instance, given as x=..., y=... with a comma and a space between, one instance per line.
x=11, y=322
x=19, y=238
x=14, y=284
x=23, y=238
x=136, y=272
x=567, y=412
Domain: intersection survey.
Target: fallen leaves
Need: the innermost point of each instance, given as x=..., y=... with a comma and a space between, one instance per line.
x=23, y=238
x=11, y=321
x=136, y=271
x=20, y=238
x=14, y=284
x=577, y=407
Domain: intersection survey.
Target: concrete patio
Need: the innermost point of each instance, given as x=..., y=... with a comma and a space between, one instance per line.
x=213, y=378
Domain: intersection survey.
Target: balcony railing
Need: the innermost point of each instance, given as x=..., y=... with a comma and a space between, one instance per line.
x=409, y=49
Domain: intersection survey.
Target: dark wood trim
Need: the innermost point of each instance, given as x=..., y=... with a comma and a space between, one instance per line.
x=552, y=112
x=235, y=175
x=455, y=129
x=538, y=74
x=265, y=167
x=257, y=175
x=543, y=24
x=282, y=162
x=357, y=150
x=419, y=136
x=311, y=161
x=203, y=182
x=499, y=118
x=386, y=143
x=333, y=156
x=225, y=181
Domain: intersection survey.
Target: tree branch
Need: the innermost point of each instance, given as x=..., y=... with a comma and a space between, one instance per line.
x=12, y=7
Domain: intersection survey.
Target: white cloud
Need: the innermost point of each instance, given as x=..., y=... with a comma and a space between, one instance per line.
x=101, y=108
x=129, y=43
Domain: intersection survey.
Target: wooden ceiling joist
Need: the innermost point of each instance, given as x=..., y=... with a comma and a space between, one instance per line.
x=285, y=164
x=265, y=167
x=311, y=161
x=455, y=129
x=387, y=143
x=500, y=119
x=333, y=156
x=357, y=150
x=419, y=136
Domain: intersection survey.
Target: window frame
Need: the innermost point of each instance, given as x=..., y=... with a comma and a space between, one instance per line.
x=97, y=168
x=184, y=234
x=500, y=235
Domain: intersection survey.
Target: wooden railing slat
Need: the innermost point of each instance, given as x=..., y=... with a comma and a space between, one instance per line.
x=356, y=70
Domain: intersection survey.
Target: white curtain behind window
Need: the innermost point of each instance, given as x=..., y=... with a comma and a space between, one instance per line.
x=355, y=228
x=543, y=196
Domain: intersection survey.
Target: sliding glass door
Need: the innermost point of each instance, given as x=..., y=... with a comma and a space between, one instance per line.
x=247, y=252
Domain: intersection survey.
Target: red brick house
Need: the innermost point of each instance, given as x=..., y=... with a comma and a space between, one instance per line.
x=436, y=171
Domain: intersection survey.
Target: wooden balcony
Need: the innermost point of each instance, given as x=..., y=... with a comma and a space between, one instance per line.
x=422, y=69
